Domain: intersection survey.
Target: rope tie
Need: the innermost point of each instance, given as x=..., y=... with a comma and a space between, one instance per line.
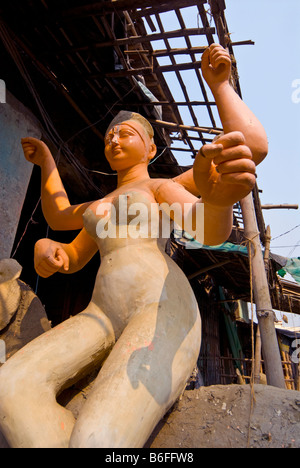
x=249, y=242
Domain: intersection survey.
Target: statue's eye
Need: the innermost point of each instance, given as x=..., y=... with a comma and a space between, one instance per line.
x=125, y=133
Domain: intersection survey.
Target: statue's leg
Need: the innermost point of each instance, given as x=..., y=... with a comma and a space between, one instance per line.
x=141, y=379
x=29, y=382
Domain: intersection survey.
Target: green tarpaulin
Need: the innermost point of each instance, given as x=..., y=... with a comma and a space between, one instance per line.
x=285, y=265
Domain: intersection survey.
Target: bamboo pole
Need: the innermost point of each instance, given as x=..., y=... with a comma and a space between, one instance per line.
x=283, y=206
x=257, y=361
x=262, y=298
x=267, y=248
x=257, y=358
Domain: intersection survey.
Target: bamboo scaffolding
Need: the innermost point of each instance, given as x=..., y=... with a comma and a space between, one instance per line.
x=101, y=8
x=284, y=206
x=135, y=40
x=257, y=359
x=160, y=123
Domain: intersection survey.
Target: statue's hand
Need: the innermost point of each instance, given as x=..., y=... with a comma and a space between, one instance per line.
x=224, y=173
x=216, y=65
x=49, y=257
x=35, y=151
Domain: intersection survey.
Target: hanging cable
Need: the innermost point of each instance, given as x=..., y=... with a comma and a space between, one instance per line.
x=50, y=132
x=287, y=232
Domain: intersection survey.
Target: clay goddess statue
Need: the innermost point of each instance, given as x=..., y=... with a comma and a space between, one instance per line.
x=142, y=327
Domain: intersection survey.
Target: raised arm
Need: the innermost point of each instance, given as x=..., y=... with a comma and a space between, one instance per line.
x=58, y=212
x=234, y=114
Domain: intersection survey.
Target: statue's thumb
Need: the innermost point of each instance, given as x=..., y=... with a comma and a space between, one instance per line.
x=204, y=159
x=61, y=255
x=205, y=58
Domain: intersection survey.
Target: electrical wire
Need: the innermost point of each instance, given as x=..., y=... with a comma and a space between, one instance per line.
x=50, y=129
x=26, y=227
x=163, y=151
x=51, y=132
x=294, y=247
x=285, y=246
x=115, y=173
x=287, y=232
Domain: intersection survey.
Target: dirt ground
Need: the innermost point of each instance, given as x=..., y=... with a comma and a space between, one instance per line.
x=222, y=416
x=229, y=417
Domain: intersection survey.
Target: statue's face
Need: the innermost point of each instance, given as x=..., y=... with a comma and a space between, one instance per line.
x=126, y=146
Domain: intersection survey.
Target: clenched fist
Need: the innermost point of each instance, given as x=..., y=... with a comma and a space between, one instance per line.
x=35, y=151
x=224, y=171
x=216, y=65
x=49, y=257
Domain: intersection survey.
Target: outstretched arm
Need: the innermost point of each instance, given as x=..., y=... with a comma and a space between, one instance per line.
x=235, y=115
x=58, y=212
x=51, y=256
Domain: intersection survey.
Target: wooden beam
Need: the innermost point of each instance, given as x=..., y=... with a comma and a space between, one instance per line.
x=59, y=86
x=148, y=70
x=284, y=206
x=102, y=8
x=166, y=6
x=184, y=150
x=137, y=40
x=238, y=43
x=179, y=51
x=189, y=50
x=164, y=103
x=178, y=127
x=178, y=67
x=208, y=268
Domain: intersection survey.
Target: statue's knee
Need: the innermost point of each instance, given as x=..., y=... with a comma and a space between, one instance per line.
x=16, y=381
x=84, y=436
x=10, y=386
x=78, y=438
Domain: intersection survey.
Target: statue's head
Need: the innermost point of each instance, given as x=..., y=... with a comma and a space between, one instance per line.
x=132, y=135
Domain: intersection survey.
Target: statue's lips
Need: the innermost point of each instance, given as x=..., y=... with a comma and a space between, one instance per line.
x=116, y=151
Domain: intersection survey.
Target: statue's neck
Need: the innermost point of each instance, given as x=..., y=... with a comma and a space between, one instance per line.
x=133, y=175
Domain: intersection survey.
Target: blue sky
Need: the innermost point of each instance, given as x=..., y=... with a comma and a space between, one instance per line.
x=267, y=73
